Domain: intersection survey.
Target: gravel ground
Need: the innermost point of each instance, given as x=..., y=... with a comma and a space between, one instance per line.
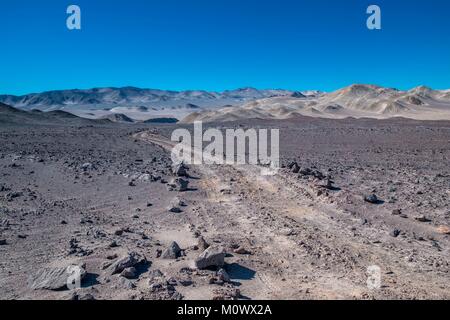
x=101, y=196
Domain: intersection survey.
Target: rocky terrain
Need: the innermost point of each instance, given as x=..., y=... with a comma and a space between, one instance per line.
x=105, y=197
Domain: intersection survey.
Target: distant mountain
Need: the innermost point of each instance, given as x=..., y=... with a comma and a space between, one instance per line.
x=101, y=98
x=118, y=117
x=130, y=104
x=13, y=116
x=357, y=101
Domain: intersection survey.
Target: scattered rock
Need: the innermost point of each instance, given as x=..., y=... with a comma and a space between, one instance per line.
x=3, y=242
x=127, y=261
x=174, y=209
x=87, y=166
x=241, y=250
x=395, y=233
x=223, y=275
x=155, y=275
x=132, y=183
x=180, y=170
x=111, y=256
x=294, y=167
x=172, y=252
x=443, y=230
x=113, y=244
x=124, y=283
x=422, y=218
x=86, y=297
x=178, y=184
x=177, y=202
x=202, y=244
x=214, y=256
x=372, y=199
x=13, y=195
x=118, y=232
x=129, y=273
x=227, y=294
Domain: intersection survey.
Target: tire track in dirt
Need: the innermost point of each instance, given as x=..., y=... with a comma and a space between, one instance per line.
x=298, y=251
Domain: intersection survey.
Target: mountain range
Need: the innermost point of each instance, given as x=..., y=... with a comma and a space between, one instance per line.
x=358, y=101
x=129, y=104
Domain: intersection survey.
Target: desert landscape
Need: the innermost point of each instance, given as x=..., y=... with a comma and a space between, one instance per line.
x=86, y=179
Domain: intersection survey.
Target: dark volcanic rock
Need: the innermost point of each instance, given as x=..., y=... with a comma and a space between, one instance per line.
x=179, y=184
x=180, y=170
x=372, y=198
x=173, y=251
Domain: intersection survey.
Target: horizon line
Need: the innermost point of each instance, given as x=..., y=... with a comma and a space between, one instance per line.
x=218, y=91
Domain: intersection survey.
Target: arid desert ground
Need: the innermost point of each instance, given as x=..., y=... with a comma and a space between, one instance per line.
x=352, y=193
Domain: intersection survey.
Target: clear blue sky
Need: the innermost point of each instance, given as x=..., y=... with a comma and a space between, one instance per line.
x=223, y=44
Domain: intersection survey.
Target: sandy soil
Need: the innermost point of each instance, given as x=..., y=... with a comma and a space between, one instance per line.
x=93, y=194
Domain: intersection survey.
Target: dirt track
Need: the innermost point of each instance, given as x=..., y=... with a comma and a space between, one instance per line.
x=92, y=194
x=302, y=246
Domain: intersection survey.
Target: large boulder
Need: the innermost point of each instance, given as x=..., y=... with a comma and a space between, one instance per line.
x=214, y=256
x=56, y=278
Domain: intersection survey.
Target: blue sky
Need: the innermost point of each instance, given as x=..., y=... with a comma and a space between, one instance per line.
x=223, y=44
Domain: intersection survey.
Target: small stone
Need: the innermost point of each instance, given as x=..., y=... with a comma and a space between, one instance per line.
x=397, y=212
x=179, y=184
x=87, y=166
x=172, y=252
x=372, y=199
x=422, y=218
x=241, y=250
x=223, y=275
x=174, y=209
x=113, y=244
x=395, y=233
x=202, y=244
x=443, y=229
x=3, y=242
x=186, y=282
x=125, y=283
x=127, y=261
x=180, y=170
x=214, y=256
x=129, y=273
